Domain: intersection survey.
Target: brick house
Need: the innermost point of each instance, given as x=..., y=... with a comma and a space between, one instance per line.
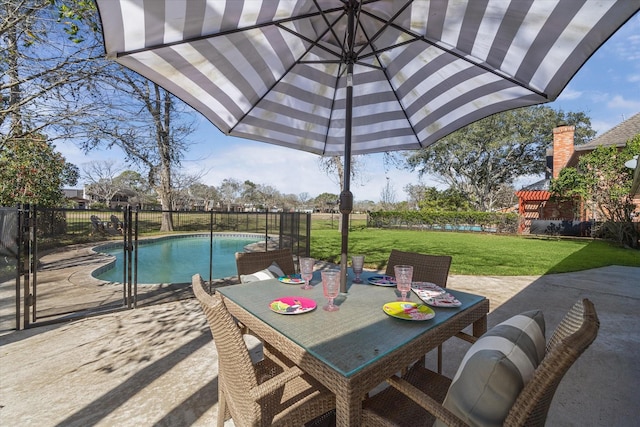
x=534, y=200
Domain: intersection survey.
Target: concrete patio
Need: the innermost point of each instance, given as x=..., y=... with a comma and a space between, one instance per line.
x=157, y=365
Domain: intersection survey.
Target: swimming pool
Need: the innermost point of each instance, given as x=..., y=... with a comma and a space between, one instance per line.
x=174, y=259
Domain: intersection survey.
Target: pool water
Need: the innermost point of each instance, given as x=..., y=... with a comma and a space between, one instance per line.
x=176, y=259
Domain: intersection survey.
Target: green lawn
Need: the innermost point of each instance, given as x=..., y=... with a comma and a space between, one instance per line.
x=477, y=253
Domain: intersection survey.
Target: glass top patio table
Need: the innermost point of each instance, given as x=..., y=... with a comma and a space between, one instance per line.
x=349, y=339
x=354, y=349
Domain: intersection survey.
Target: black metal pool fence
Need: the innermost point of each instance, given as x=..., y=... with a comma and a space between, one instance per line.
x=28, y=232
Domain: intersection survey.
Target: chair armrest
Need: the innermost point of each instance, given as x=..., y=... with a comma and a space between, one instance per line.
x=466, y=337
x=427, y=402
x=273, y=384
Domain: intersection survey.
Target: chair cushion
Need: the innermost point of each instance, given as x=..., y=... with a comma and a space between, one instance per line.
x=270, y=272
x=495, y=369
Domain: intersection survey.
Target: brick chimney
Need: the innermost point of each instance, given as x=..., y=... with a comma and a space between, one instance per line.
x=562, y=147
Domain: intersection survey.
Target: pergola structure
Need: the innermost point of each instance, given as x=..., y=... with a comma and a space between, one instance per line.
x=531, y=205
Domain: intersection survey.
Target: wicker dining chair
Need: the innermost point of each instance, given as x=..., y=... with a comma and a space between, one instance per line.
x=426, y=268
x=251, y=262
x=419, y=394
x=268, y=393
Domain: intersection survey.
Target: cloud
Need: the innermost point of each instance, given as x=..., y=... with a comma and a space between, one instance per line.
x=601, y=126
x=569, y=94
x=633, y=78
x=626, y=41
x=619, y=102
x=628, y=49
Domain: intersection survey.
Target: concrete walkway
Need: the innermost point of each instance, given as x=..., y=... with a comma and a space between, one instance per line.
x=156, y=366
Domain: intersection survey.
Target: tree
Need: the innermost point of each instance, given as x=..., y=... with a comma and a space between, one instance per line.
x=136, y=184
x=182, y=198
x=206, y=193
x=416, y=193
x=364, y=206
x=479, y=159
x=388, y=196
x=304, y=198
x=270, y=195
x=603, y=182
x=333, y=167
x=70, y=174
x=505, y=197
x=32, y=172
x=291, y=201
x=252, y=196
x=230, y=191
x=101, y=179
x=148, y=123
x=326, y=202
x=105, y=179
x=45, y=63
x=55, y=76
x=447, y=200
x=260, y=196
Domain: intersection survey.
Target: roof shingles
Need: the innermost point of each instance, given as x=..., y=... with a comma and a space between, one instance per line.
x=616, y=136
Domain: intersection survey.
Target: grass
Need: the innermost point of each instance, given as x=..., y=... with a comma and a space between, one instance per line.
x=477, y=253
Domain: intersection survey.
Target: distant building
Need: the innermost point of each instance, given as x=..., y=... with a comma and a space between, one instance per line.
x=119, y=200
x=76, y=197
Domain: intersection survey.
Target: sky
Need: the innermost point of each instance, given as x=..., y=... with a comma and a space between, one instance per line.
x=606, y=88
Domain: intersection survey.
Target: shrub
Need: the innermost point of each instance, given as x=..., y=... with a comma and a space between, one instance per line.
x=445, y=220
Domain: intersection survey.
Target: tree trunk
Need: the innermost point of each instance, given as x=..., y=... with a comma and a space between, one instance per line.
x=15, y=125
x=164, y=192
x=164, y=150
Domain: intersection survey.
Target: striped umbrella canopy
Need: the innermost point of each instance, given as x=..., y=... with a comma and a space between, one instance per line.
x=344, y=77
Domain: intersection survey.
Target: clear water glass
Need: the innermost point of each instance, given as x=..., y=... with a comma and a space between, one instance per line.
x=330, y=287
x=404, y=275
x=306, y=272
x=357, y=264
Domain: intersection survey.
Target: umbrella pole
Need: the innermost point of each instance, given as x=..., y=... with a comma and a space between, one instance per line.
x=346, y=198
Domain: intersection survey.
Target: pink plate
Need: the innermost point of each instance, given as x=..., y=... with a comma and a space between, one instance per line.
x=292, y=305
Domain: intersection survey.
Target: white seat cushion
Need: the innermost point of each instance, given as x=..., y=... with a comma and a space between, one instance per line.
x=271, y=272
x=495, y=369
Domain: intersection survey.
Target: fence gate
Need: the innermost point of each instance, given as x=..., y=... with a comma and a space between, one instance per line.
x=58, y=286
x=10, y=301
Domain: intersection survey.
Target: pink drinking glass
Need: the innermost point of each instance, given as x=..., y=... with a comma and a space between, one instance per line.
x=357, y=264
x=331, y=287
x=306, y=272
x=404, y=275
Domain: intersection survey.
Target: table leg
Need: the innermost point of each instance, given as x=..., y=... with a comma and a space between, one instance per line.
x=480, y=326
x=348, y=410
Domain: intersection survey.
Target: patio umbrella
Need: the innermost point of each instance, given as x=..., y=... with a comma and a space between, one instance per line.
x=346, y=77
